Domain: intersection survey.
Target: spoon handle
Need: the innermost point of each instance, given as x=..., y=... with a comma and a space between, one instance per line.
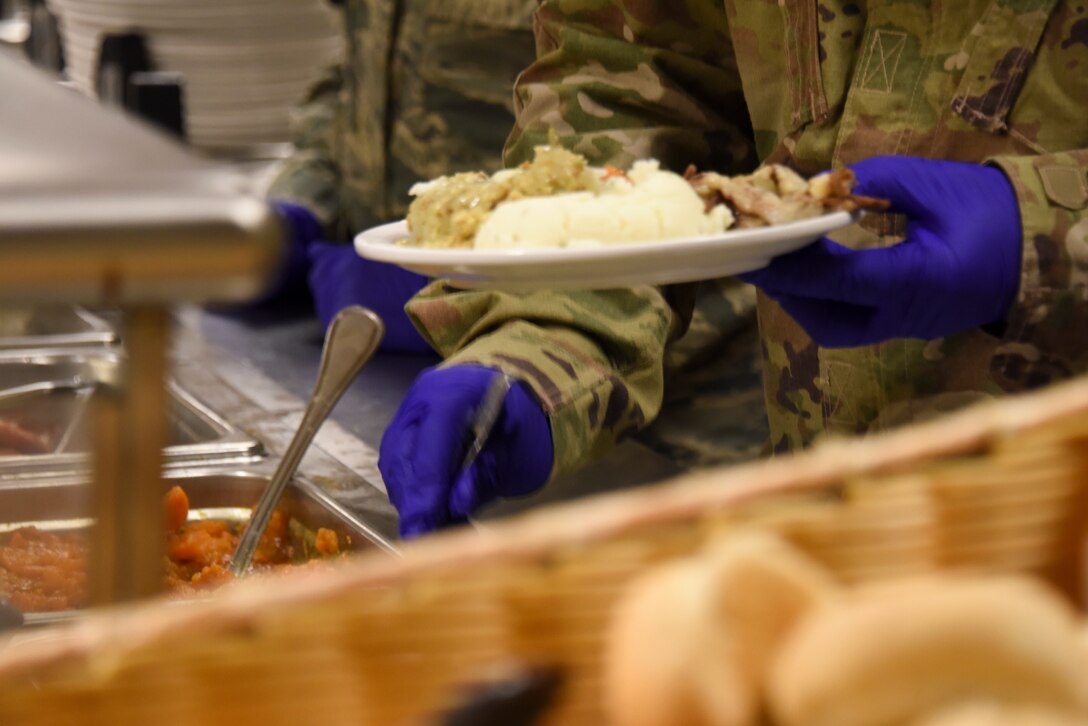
x=351, y=341
x=28, y=391
x=485, y=417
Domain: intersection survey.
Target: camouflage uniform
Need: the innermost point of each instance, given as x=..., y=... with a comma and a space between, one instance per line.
x=447, y=90
x=824, y=84
x=424, y=90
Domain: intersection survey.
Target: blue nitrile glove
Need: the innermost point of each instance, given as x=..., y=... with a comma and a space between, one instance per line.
x=301, y=228
x=339, y=277
x=425, y=444
x=958, y=268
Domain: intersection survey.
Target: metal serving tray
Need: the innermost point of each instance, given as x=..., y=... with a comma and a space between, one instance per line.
x=197, y=435
x=62, y=506
x=53, y=326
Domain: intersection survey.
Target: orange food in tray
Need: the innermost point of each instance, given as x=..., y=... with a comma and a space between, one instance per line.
x=198, y=553
x=42, y=571
x=45, y=571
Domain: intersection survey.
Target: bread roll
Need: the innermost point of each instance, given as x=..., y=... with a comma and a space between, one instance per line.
x=1084, y=644
x=992, y=714
x=893, y=653
x=690, y=641
x=762, y=587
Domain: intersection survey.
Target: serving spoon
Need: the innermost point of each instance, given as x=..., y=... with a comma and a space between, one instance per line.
x=29, y=391
x=352, y=339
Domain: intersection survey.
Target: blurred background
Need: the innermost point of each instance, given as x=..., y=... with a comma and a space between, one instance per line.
x=222, y=74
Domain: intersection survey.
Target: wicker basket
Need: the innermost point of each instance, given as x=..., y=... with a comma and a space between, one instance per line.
x=1000, y=487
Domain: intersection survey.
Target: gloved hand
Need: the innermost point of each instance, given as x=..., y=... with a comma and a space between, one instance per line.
x=290, y=277
x=424, y=445
x=958, y=268
x=339, y=277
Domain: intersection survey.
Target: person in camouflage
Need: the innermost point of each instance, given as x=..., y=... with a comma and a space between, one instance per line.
x=424, y=89
x=813, y=85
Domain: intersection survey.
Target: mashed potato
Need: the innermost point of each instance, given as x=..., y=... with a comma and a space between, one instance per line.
x=647, y=204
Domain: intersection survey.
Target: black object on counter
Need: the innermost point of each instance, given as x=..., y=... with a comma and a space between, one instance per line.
x=43, y=45
x=518, y=700
x=119, y=56
x=158, y=97
x=125, y=77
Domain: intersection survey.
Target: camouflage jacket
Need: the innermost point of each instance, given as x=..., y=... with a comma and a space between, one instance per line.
x=425, y=89
x=823, y=84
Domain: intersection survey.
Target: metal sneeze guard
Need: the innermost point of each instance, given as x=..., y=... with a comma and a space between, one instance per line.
x=97, y=209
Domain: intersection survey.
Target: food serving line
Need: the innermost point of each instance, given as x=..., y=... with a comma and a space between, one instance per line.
x=237, y=388
x=114, y=217
x=97, y=210
x=261, y=371
x=541, y=604
x=53, y=361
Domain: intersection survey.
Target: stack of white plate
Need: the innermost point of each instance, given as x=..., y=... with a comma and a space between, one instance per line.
x=245, y=63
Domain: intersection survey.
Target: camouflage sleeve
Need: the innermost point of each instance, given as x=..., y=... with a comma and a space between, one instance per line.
x=310, y=177
x=594, y=359
x=1052, y=191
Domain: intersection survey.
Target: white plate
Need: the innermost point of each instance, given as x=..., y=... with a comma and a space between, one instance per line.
x=658, y=263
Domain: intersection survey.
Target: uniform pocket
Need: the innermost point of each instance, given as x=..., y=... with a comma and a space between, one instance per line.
x=996, y=59
x=802, y=51
x=778, y=53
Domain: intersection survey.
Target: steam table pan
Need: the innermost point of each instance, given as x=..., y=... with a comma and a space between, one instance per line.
x=53, y=326
x=197, y=435
x=62, y=506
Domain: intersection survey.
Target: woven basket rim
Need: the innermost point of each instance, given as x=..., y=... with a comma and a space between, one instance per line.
x=537, y=534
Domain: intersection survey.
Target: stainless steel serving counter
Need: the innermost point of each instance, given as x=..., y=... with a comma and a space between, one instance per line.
x=257, y=369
